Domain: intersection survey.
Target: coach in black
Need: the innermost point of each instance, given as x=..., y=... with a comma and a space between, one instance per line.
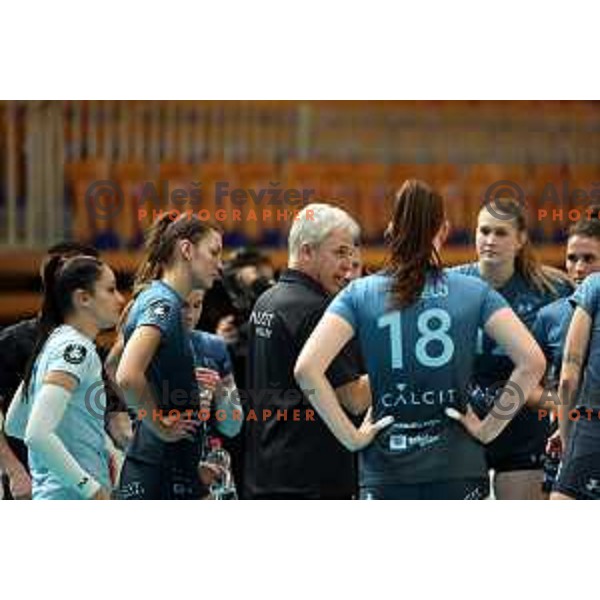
x=289, y=451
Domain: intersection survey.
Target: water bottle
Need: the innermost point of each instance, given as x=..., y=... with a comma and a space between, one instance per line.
x=224, y=487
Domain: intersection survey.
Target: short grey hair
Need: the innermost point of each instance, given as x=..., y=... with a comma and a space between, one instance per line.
x=315, y=222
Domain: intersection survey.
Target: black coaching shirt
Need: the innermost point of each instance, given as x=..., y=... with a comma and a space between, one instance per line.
x=290, y=452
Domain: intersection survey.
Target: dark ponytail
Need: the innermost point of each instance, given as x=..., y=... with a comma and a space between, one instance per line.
x=417, y=218
x=61, y=278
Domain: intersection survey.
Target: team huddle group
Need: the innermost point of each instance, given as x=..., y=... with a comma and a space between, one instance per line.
x=400, y=379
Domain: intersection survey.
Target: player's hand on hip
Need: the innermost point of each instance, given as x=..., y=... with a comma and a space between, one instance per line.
x=369, y=429
x=471, y=422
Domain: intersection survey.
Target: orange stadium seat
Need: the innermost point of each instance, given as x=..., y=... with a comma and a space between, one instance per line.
x=477, y=183
x=373, y=191
x=545, y=193
x=91, y=218
x=269, y=227
x=132, y=179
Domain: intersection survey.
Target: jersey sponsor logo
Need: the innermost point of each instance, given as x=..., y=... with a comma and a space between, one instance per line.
x=83, y=482
x=160, y=310
x=75, y=354
x=414, y=435
x=404, y=397
x=410, y=436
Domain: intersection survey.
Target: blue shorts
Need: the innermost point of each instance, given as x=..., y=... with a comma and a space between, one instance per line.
x=579, y=472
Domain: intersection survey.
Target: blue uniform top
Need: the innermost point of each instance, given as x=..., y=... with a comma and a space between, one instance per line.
x=81, y=429
x=587, y=297
x=420, y=361
x=550, y=330
x=210, y=352
x=493, y=366
x=170, y=373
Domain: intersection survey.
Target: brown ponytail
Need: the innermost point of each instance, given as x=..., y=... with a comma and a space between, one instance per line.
x=417, y=218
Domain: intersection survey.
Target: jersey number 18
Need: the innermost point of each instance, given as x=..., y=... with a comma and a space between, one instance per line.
x=428, y=334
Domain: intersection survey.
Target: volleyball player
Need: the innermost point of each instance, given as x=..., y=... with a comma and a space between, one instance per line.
x=213, y=368
x=156, y=368
x=51, y=411
x=17, y=343
x=214, y=374
x=579, y=473
x=507, y=263
x=552, y=323
x=417, y=326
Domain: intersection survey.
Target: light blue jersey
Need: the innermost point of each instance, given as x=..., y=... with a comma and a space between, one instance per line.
x=420, y=360
x=550, y=331
x=493, y=364
x=81, y=429
x=587, y=297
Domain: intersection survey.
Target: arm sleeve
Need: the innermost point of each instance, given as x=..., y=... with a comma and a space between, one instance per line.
x=40, y=435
